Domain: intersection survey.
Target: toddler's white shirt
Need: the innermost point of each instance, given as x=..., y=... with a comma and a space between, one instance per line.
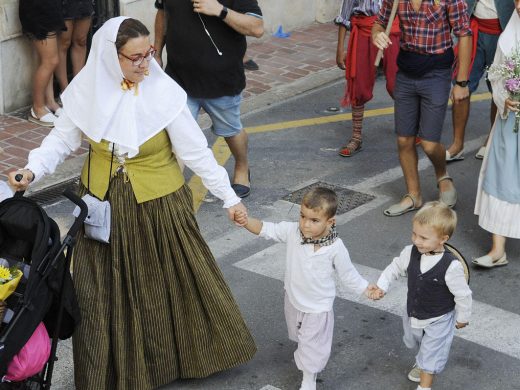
x=454, y=278
x=309, y=275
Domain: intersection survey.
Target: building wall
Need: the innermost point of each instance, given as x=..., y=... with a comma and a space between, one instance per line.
x=17, y=60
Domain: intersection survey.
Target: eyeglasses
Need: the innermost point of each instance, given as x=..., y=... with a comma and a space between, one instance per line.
x=138, y=59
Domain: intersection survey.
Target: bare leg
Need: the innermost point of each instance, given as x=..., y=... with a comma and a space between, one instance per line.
x=499, y=247
x=238, y=146
x=78, y=51
x=50, y=101
x=426, y=380
x=460, y=114
x=47, y=50
x=408, y=159
x=64, y=40
x=437, y=155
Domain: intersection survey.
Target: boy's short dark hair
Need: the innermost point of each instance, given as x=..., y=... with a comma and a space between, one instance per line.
x=321, y=198
x=439, y=216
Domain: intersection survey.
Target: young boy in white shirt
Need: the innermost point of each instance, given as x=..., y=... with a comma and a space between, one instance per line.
x=314, y=253
x=439, y=298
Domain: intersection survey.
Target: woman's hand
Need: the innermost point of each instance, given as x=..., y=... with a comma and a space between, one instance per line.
x=238, y=214
x=512, y=105
x=27, y=178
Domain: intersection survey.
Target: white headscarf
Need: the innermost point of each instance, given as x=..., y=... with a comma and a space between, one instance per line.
x=97, y=104
x=510, y=37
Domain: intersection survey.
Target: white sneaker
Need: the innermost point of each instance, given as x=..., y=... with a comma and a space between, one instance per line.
x=415, y=374
x=47, y=120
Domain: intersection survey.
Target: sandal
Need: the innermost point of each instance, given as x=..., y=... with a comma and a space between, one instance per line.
x=46, y=120
x=488, y=262
x=398, y=209
x=449, y=198
x=354, y=146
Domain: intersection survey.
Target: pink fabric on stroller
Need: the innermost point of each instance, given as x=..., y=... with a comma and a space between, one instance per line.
x=31, y=359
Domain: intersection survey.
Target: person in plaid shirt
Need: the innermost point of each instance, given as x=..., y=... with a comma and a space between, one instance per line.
x=423, y=86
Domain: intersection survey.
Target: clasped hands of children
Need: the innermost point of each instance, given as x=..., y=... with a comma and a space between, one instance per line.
x=373, y=291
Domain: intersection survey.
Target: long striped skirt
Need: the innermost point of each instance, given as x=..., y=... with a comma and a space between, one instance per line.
x=154, y=304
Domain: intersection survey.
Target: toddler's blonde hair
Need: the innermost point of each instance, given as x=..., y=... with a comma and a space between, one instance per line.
x=439, y=216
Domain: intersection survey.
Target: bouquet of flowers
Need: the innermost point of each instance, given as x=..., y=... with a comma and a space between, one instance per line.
x=510, y=71
x=9, y=278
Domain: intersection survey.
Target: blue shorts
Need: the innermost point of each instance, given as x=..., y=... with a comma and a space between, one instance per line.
x=420, y=104
x=434, y=342
x=484, y=56
x=223, y=111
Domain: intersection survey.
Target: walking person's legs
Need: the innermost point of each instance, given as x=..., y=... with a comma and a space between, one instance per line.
x=47, y=50
x=407, y=115
x=78, y=50
x=64, y=42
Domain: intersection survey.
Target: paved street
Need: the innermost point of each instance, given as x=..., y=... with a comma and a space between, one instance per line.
x=294, y=144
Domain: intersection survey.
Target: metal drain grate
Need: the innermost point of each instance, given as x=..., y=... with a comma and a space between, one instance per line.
x=347, y=199
x=54, y=193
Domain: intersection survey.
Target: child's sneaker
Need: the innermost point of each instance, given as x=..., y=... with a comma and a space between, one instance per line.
x=415, y=374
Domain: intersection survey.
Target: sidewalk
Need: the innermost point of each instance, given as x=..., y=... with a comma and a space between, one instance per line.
x=288, y=67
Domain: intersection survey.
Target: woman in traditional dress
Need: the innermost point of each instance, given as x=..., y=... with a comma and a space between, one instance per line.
x=498, y=196
x=154, y=304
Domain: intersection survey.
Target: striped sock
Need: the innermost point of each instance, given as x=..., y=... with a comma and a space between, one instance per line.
x=357, y=121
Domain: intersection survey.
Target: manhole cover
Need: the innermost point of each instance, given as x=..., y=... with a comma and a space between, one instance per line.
x=347, y=199
x=53, y=193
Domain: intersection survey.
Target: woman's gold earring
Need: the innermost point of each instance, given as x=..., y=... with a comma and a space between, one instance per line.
x=147, y=72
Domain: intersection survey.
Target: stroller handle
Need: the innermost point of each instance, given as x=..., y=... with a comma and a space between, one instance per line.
x=82, y=215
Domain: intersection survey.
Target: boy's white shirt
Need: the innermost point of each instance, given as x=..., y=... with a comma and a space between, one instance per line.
x=455, y=281
x=309, y=275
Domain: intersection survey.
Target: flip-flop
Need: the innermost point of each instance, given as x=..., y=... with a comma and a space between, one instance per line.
x=398, y=209
x=488, y=262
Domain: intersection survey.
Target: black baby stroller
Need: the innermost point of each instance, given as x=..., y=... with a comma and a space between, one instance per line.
x=30, y=241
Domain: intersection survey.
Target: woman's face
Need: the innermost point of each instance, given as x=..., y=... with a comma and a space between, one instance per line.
x=134, y=50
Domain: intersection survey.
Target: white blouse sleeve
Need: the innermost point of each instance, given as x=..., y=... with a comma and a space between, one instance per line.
x=498, y=85
x=63, y=139
x=190, y=145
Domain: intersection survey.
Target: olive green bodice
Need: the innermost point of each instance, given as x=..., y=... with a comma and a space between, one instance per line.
x=153, y=173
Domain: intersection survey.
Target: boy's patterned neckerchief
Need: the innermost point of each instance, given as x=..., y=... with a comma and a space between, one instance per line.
x=324, y=241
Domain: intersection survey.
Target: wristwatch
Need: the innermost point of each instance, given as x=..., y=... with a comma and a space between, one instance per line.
x=223, y=13
x=463, y=83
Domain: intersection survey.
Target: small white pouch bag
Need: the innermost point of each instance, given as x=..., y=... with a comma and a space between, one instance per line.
x=97, y=222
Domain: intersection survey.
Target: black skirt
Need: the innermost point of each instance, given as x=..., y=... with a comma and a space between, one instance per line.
x=77, y=9
x=41, y=19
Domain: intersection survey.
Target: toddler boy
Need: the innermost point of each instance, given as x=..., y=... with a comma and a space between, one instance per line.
x=314, y=253
x=439, y=298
